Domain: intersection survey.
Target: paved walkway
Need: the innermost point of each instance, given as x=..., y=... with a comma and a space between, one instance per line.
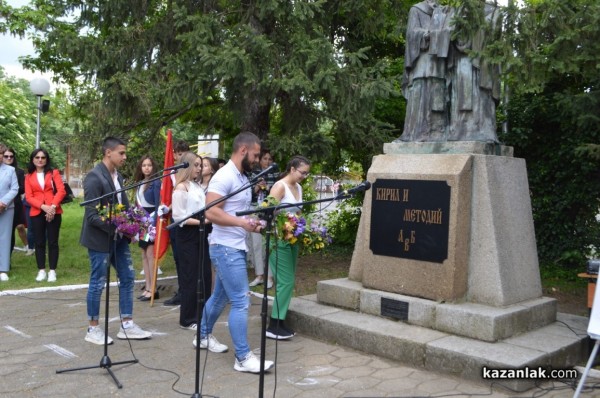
x=42, y=332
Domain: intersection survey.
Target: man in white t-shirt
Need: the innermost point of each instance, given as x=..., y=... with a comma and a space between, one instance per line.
x=228, y=253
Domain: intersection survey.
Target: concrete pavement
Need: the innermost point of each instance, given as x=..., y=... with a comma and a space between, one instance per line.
x=42, y=332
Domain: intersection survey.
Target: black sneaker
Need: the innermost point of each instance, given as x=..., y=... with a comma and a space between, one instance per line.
x=278, y=333
x=287, y=328
x=175, y=300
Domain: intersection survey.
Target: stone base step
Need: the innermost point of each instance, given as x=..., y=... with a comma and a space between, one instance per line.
x=477, y=321
x=556, y=345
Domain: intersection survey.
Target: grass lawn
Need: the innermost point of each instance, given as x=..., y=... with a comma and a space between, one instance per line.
x=334, y=262
x=73, y=264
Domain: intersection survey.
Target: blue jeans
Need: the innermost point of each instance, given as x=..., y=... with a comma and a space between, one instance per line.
x=120, y=258
x=231, y=285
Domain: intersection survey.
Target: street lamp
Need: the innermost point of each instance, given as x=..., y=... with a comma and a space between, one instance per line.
x=40, y=87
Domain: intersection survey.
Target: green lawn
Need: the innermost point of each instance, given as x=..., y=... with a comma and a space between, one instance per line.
x=73, y=263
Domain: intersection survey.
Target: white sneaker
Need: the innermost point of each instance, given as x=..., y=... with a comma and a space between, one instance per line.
x=30, y=252
x=212, y=343
x=95, y=335
x=129, y=330
x=251, y=364
x=52, y=276
x=3, y=277
x=193, y=326
x=41, y=276
x=257, y=281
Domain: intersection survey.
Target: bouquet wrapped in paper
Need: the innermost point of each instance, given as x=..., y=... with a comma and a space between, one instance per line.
x=134, y=223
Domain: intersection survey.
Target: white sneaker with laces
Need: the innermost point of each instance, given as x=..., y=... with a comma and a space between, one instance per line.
x=130, y=330
x=251, y=364
x=95, y=335
x=3, y=277
x=41, y=276
x=30, y=252
x=52, y=276
x=212, y=343
x=193, y=326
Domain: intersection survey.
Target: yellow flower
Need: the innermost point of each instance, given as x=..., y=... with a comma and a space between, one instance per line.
x=293, y=240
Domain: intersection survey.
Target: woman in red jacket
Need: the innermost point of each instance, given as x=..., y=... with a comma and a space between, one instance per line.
x=44, y=190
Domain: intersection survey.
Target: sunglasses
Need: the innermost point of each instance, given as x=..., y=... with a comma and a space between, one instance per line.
x=40, y=157
x=9, y=156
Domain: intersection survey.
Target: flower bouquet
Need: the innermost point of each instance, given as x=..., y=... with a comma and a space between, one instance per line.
x=134, y=223
x=296, y=229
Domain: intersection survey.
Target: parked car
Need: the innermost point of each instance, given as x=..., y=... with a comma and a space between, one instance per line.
x=323, y=184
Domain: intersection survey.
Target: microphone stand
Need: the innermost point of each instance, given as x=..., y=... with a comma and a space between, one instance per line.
x=105, y=361
x=268, y=215
x=200, y=294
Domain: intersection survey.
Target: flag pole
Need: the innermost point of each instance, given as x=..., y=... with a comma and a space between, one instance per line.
x=155, y=268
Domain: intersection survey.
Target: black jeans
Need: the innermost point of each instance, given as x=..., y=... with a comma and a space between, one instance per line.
x=189, y=253
x=46, y=231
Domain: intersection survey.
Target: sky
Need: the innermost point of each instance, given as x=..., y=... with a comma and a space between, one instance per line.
x=12, y=48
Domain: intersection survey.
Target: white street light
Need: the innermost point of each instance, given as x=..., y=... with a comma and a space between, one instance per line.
x=40, y=87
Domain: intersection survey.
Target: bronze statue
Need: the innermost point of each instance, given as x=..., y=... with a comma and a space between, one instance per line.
x=450, y=95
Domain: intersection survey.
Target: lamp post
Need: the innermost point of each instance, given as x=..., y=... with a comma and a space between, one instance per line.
x=40, y=87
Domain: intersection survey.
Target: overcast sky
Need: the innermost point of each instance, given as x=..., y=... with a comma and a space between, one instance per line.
x=13, y=48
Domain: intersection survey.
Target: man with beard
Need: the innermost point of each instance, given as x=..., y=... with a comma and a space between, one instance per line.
x=227, y=248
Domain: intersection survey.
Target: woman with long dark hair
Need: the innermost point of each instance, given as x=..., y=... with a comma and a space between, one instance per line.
x=147, y=196
x=44, y=190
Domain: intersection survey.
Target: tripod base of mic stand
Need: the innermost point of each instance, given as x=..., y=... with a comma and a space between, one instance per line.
x=105, y=363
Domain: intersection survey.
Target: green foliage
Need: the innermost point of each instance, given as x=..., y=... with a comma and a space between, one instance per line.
x=343, y=222
x=17, y=123
x=279, y=69
x=563, y=179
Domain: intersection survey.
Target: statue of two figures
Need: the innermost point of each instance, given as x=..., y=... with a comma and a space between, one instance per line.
x=451, y=95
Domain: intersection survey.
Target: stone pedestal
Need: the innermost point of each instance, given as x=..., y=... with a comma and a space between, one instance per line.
x=480, y=303
x=492, y=255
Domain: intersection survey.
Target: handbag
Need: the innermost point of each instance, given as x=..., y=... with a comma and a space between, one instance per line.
x=68, y=197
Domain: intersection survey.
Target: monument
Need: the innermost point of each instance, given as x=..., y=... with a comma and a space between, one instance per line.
x=446, y=250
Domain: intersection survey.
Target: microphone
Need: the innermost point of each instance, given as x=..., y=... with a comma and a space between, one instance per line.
x=363, y=186
x=269, y=169
x=183, y=165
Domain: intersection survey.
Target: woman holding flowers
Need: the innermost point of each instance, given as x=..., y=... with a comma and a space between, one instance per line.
x=148, y=197
x=284, y=257
x=188, y=198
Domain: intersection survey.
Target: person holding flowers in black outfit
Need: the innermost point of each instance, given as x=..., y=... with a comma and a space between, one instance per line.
x=188, y=198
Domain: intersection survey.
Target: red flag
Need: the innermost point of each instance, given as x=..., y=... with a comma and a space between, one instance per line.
x=166, y=192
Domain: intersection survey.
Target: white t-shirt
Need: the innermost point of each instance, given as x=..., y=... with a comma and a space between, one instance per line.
x=225, y=181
